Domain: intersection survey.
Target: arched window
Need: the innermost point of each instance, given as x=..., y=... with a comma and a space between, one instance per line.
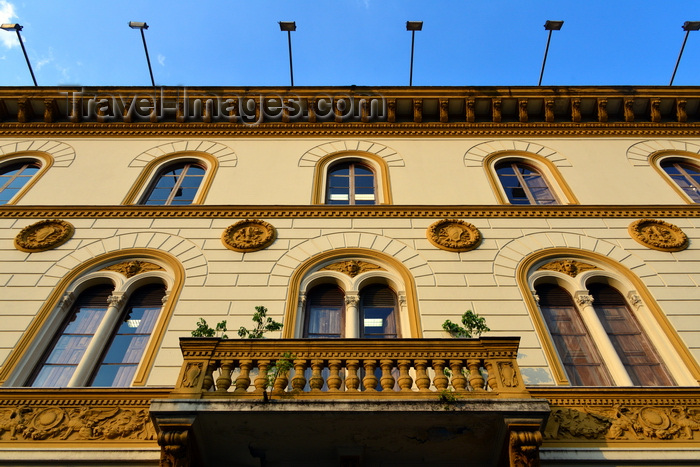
x=101, y=341
x=324, y=312
x=351, y=183
x=378, y=312
x=576, y=349
x=15, y=176
x=175, y=184
x=524, y=184
x=685, y=175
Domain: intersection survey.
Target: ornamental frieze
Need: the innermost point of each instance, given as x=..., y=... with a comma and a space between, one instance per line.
x=43, y=235
x=658, y=235
x=248, y=235
x=352, y=268
x=569, y=267
x=454, y=235
x=23, y=423
x=132, y=268
x=624, y=422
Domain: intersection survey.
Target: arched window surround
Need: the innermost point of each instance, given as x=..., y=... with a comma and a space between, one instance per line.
x=44, y=160
x=308, y=275
x=27, y=353
x=550, y=173
x=147, y=176
x=376, y=163
x=657, y=158
x=674, y=354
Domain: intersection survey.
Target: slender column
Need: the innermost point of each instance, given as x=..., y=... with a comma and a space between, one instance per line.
x=352, y=381
x=352, y=315
x=405, y=381
x=299, y=380
x=243, y=380
x=476, y=381
x=440, y=380
x=370, y=380
x=422, y=379
x=316, y=381
x=223, y=382
x=459, y=382
x=387, y=381
x=261, y=380
x=334, y=380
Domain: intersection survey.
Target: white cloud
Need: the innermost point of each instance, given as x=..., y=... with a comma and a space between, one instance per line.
x=161, y=59
x=7, y=12
x=45, y=60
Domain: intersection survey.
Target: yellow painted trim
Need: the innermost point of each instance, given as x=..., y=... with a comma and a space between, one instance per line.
x=290, y=314
x=560, y=378
x=551, y=172
x=45, y=160
x=145, y=179
x=655, y=161
x=377, y=163
x=27, y=339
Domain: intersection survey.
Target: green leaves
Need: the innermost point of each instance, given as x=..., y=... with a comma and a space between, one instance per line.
x=264, y=324
x=204, y=330
x=473, y=325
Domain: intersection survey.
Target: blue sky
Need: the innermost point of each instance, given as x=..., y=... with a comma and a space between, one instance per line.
x=361, y=42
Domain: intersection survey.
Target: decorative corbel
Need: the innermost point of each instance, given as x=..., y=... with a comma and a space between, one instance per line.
x=602, y=110
x=470, y=111
x=25, y=112
x=311, y=106
x=417, y=110
x=656, y=110
x=629, y=110
x=576, y=110
x=180, y=111
x=444, y=115
x=391, y=106
x=174, y=450
x=364, y=110
x=680, y=110
x=522, y=110
x=524, y=447
x=50, y=110
x=549, y=110
x=496, y=110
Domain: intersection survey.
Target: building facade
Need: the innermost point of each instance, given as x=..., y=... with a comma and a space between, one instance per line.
x=362, y=219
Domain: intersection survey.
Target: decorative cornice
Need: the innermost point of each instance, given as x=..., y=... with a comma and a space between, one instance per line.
x=381, y=211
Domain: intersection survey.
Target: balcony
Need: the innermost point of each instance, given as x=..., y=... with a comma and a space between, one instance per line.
x=349, y=402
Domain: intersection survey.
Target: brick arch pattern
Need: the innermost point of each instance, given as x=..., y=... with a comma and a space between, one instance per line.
x=185, y=251
x=418, y=267
x=509, y=256
x=638, y=154
x=63, y=154
x=225, y=155
x=311, y=157
x=474, y=157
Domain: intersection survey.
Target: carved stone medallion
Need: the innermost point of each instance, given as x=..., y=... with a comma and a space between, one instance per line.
x=352, y=267
x=658, y=235
x=569, y=267
x=43, y=235
x=248, y=235
x=132, y=268
x=454, y=235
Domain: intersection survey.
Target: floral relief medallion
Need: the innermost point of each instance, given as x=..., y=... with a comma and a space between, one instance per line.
x=248, y=235
x=658, y=235
x=454, y=235
x=43, y=235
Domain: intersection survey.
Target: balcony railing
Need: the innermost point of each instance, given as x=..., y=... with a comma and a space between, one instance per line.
x=350, y=368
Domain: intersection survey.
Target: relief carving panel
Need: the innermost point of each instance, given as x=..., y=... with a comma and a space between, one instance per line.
x=43, y=235
x=352, y=267
x=658, y=235
x=454, y=235
x=248, y=235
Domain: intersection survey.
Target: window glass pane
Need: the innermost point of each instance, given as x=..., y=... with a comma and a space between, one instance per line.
x=13, y=177
x=686, y=176
x=350, y=183
x=378, y=312
x=524, y=184
x=177, y=184
x=631, y=343
x=324, y=312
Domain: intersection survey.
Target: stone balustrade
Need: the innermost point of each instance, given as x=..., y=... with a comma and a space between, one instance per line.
x=350, y=368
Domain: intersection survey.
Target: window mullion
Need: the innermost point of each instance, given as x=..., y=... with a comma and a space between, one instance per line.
x=177, y=185
x=351, y=184
x=14, y=177
x=687, y=176
x=526, y=188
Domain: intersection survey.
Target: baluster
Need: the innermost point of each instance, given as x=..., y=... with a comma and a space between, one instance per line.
x=261, y=380
x=387, y=381
x=405, y=380
x=440, y=380
x=370, y=380
x=299, y=380
x=223, y=382
x=422, y=379
x=492, y=375
x=459, y=382
x=208, y=380
x=281, y=382
x=334, y=380
x=352, y=381
x=243, y=380
x=316, y=381
x=476, y=381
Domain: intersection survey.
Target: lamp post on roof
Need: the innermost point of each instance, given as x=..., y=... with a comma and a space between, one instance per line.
x=17, y=28
x=141, y=26
x=289, y=26
x=413, y=26
x=687, y=27
x=549, y=26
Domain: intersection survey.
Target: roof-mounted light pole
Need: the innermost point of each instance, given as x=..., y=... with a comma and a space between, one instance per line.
x=289, y=26
x=549, y=26
x=687, y=27
x=141, y=27
x=413, y=26
x=17, y=28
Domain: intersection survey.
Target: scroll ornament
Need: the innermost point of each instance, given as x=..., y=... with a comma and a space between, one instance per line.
x=248, y=235
x=44, y=235
x=658, y=235
x=454, y=235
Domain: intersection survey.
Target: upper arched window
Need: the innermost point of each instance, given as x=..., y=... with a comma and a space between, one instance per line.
x=175, y=184
x=685, y=175
x=14, y=178
x=351, y=183
x=524, y=184
x=601, y=330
